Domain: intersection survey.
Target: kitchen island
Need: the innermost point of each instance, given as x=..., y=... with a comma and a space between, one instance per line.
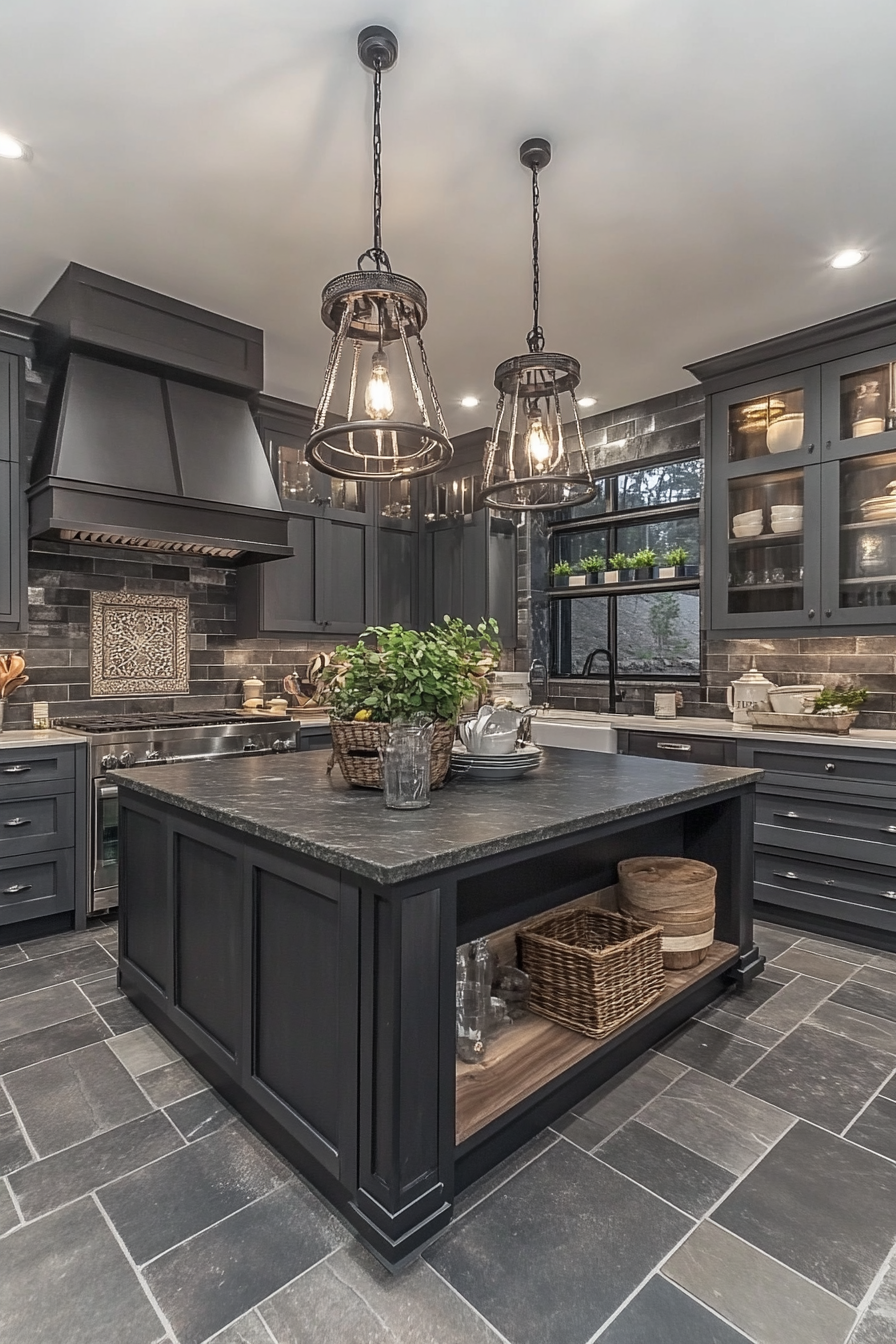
x=296, y=941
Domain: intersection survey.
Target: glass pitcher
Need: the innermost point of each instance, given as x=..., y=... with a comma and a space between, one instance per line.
x=406, y=763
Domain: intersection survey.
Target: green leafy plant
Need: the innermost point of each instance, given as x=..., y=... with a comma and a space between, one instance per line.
x=644, y=559
x=562, y=569
x=592, y=564
x=393, y=672
x=620, y=561
x=677, y=556
x=841, y=698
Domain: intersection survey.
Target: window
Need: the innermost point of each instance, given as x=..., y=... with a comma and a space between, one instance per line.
x=652, y=626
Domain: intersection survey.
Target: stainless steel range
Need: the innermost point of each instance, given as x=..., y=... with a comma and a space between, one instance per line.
x=136, y=741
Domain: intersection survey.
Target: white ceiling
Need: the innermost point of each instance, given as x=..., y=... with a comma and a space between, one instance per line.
x=709, y=157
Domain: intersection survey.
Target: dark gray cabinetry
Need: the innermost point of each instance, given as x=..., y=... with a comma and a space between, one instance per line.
x=43, y=839
x=16, y=344
x=677, y=747
x=801, y=454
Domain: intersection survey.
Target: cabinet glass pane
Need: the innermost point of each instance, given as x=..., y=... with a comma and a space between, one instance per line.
x=868, y=531
x=868, y=402
x=396, y=499
x=766, y=425
x=459, y=498
x=765, y=543
x=300, y=483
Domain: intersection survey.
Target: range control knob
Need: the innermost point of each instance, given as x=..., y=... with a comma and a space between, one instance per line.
x=127, y=758
x=250, y=745
x=109, y=762
x=152, y=756
x=281, y=744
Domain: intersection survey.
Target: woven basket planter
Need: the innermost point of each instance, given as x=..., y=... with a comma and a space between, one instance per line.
x=591, y=970
x=678, y=893
x=358, y=749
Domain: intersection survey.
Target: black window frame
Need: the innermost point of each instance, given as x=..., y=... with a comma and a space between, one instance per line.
x=610, y=522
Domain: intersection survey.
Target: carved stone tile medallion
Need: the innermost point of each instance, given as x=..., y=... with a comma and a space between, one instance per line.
x=139, y=644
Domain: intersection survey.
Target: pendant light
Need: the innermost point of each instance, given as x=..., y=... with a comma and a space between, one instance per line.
x=392, y=424
x=531, y=464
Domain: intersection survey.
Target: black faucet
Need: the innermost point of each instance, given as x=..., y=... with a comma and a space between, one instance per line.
x=611, y=673
x=538, y=684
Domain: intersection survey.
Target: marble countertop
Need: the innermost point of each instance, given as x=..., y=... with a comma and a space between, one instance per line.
x=858, y=737
x=290, y=801
x=36, y=737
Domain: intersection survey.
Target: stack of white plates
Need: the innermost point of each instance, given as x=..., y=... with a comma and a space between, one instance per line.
x=880, y=509
x=747, y=524
x=787, y=518
x=495, y=768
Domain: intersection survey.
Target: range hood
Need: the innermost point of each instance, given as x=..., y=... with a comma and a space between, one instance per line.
x=148, y=441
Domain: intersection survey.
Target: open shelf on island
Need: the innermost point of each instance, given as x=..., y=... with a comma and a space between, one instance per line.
x=533, y=1052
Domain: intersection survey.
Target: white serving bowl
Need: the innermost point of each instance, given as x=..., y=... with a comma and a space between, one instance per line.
x=497, y=744
x=755, y=530
x=787, y=510
x=785, y=434
x=753, y=516
x=791, y=699
x=780, y=525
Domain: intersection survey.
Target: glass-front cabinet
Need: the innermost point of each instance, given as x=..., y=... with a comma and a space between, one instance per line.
x=801, y=469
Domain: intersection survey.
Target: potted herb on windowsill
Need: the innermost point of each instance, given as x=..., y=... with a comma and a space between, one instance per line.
x=675, y=565
x=644, y=563
x=593, y=567
x=620, y=570
x=560, y=574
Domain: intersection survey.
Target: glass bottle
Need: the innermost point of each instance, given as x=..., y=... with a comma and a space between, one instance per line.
x=868, y=414
x=469, y=1010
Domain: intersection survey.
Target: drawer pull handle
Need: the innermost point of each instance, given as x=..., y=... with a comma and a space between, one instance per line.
x=18, y=821
x=16, y=888
x=830, y=767
x=16, y=769
x=791, y=877
x=888, y=830
x=889, y=895
x=673, y=746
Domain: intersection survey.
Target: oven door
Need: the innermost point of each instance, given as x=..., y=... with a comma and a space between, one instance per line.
x=104, y=883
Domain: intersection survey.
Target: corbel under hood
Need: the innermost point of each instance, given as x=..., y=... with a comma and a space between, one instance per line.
x=149, y=441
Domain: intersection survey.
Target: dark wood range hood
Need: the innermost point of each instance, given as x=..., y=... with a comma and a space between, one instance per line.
x=149, y=440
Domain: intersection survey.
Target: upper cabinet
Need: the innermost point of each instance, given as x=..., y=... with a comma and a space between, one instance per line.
x=801, y=476
x=16, y=346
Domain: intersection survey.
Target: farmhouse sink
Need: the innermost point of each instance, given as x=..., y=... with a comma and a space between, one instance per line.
x=575, y=732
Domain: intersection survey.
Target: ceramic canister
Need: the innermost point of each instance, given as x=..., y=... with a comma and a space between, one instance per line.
x=749, y=692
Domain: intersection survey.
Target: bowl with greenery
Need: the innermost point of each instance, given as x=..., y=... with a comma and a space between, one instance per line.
x=643, y=562
x=560, y=574
x=593, y=567
x=393, y=673
x=619, y=568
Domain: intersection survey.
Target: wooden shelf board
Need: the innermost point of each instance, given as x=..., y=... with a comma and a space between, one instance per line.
x=533, y=1051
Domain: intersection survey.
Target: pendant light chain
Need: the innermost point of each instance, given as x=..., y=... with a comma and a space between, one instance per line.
x=376, y=254
x=535, y=339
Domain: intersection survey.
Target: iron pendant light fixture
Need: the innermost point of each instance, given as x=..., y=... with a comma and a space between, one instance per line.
x=391, y=429
x=530, y=464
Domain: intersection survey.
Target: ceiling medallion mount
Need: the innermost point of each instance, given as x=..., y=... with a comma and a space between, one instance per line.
x=392, y=426
x=531, y=464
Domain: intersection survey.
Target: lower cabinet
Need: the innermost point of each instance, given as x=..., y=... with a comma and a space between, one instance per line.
x=677, y=747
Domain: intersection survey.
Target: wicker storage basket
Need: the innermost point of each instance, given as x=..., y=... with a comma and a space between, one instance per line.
x=591, y=970
x=357, y=747
x=680, y=894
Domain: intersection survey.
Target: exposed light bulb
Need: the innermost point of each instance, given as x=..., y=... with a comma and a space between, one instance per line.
x=587, y=401
x=11, y=148
x=469, y=402
x=538, y=445
x=378, y=402
x=850, y=256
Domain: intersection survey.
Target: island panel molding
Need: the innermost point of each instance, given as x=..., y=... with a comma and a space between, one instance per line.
x=139, y=644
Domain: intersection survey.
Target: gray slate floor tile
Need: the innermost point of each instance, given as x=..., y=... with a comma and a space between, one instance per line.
x=832, y=947
x=666, y=1168
x=773, y=939
x=76, y=1171
x=889, y=1090
x=14, y=1151
x=822, y=1077
x=217, y=1276
x=743, y=1027
x=41, y=1008
x=711, y=1051
x=10, y=955
x=765, y=1299
x=849, y=1022
x=352, y=1299
x=161, y=1205
x=64, y=1100
x=661, y=1314
x=34, y=1046
x=716, y=1121
x=247, y=1330
x=172, y=1083
x=621, y=1098
x=867, y=999
x=51, y=970
x=878, y=1324
x=812, y=964
x=743, y=1003
x=121, y=1016
x=794, y=1003
x=200, y=1115
x=475, y=1193
x=581, y=1132
x=876, y=1128
x=777, y=974
x=142, y=1050
x=877, y=978
x=557, y=1249
x=820, y=1205
x=101, y=990
x=8, y=1216
x=66, y=1281
x=69, y=942
x=885, y=960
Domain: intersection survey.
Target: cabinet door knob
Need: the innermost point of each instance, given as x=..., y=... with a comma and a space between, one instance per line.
x=811, y=613
x=811, y=448
x=828, y=612
x=830, y=767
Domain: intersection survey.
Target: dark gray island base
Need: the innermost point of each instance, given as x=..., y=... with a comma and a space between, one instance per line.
x=296, y=941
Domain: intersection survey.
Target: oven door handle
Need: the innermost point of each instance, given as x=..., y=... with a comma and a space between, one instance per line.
x=107, y=791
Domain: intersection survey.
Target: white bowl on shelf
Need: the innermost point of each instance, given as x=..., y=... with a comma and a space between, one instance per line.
x=792, y=699
x=751, y=516
x=781, y=526
x=787, y=510
x=785, y=434
x=753, y=530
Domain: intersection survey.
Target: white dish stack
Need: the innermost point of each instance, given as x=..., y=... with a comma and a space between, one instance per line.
x=787, y=518
x=747, y=524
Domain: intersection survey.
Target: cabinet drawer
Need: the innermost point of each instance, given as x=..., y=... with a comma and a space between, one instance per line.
x=35, y=765
x=827, y=825
x=32, y=825
x=42, y=884
x=677, y=747
x=859, y=896
x=833, y=764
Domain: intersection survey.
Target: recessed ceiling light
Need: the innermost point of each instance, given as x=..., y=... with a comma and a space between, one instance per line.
x=850, y=256
x=586, y=402
x=11, y=148
x=469, y=402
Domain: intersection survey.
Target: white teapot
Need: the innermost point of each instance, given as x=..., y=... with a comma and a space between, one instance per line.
x=749, y=692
